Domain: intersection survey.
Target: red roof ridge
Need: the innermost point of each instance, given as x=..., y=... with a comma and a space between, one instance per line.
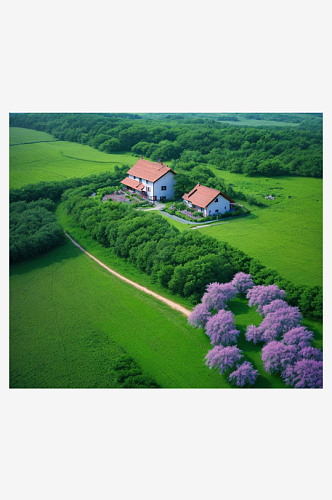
x=203, y=195
x=149, y=170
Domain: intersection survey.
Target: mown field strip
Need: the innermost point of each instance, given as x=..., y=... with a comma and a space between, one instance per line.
x=170, y=303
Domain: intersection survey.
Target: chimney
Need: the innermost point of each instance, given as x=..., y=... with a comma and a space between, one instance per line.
x=159, y=161
x=141, y=157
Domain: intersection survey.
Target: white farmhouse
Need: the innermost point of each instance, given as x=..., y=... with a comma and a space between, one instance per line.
x=154, y=180
x=208, y=201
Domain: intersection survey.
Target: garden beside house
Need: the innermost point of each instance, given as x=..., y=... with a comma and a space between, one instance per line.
x=192, y=214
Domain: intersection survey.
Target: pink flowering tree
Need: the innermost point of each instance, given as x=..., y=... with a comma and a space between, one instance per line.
x=254, y=334
x=223, y=358
x=199, y=316
x=277, y=356
x=305, y=373
x=242, y=282
x=217, y=295
x=310, y=352
x=244, y=376
x=274, y=325
x=221, y=328
x=261, y=295
x=299, y=335
x=274, y=306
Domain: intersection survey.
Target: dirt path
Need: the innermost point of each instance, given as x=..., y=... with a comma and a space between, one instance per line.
x=170, y=303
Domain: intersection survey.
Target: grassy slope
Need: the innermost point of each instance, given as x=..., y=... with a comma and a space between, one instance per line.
x=19, y=135
x=70, y=319
x=244, y=315
x=58, y=160
x=287, y=235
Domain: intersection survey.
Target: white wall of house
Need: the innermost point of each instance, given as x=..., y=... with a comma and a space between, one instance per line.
x=164, y=186
x=157, y=188
x=218, y=206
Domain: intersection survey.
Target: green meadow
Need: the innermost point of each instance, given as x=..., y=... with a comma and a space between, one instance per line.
x=285, y=235
x=56, y=160
x=70, y=320
x=18, y=136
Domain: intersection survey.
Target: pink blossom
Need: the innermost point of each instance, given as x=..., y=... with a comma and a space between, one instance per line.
x=217, y=295
x=221, y=328
x=253, y=333
x=305, y=373
x=310, y=352
x=275, y=324
x=199, y=316
x=261, y=295
x=242, y=282
x=245, y=375
x=223, y=358
x=299, y=335
x=274, y=306
x=277, y=356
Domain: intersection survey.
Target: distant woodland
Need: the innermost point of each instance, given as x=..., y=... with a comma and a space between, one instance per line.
x=193, y=139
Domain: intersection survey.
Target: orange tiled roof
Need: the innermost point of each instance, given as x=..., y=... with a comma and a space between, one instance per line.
x=202, y=196
x=149, y=170
x=133, y=184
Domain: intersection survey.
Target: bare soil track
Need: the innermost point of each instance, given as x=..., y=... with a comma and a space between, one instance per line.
x=170, y=303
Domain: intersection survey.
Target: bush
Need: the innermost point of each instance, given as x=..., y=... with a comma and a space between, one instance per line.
x=130, y=375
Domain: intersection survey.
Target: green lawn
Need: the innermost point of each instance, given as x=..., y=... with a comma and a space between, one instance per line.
x=287, y=235
x=19, y=135
x=70, y=319
x=57, y=160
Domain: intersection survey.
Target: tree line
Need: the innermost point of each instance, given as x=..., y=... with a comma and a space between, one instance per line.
x=184, y=262
x=268, y=151
x=33, y=229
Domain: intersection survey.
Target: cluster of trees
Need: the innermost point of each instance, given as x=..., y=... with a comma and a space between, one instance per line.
x=130, y=376
x=184, y=262
x=287, y=347
x=250, y=150
x=219, y=325
x=33, y=229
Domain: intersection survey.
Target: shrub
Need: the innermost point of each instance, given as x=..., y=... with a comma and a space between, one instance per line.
x=305, y=373
x=244, y=376
x=199, y=316
x=242, y=282
x=223, y=358
x=217, y=295
x=221, y=328
x=261, y=295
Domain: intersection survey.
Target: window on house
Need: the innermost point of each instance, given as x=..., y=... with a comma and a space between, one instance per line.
x=163, y=188
x=217, y=211
x=216, y=200
x=225, y=208
x=148, y=189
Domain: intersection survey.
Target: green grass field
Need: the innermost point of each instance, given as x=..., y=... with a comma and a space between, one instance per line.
x=57, y=160
x=19, y=135
x=287, y=235
x=70, y=320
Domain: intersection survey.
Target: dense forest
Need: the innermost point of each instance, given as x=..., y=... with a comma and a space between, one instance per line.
x=196, y=138
x=184, y=262
x=33, y=229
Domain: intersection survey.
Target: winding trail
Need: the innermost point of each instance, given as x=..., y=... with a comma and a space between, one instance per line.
x=170, y=303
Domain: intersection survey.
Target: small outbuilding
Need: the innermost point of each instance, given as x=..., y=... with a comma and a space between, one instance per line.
x=208, y=201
